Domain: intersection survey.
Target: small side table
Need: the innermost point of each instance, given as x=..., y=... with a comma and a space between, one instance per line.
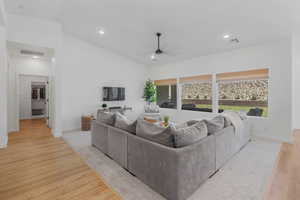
x=86, y=123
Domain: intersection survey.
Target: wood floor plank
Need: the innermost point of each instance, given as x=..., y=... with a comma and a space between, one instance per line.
x=37, y=166
x=285, y=183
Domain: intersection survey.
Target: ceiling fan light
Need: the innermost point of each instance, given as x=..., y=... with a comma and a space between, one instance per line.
x=226, y=36
x=153, y=57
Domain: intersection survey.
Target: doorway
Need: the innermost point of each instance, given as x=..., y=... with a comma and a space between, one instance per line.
x=34, y=98
x=30, y=84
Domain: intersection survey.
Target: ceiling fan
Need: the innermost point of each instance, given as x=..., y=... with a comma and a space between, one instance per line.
x=158, y=51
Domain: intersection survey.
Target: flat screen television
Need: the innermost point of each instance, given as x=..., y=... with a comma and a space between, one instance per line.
x=113, y=94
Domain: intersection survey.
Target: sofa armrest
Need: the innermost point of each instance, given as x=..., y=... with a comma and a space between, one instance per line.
x=196, y=163
x=174, y=173
x=99, y=137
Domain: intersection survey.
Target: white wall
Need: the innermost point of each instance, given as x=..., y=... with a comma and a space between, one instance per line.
x=296, y=76
x=3, y=88
x=80, y=70
x=276, y=56
x=2, y=14
x=3, y=78
x=41, y=33
x=29, y=66
x=86, y=69
x=12, y=103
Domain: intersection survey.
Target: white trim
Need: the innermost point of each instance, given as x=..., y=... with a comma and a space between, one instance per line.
x=3, y=142
x=179, y=92
x=268, y=139
x=215, y=94
x=71, y=130
x=57, y=134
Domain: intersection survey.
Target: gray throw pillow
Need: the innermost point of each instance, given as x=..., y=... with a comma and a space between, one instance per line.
x=190, y=134
x=155, y=133
x=107, y=118
x=122, y=122
x=186, y=124
x=215, y=125
x=227, y=122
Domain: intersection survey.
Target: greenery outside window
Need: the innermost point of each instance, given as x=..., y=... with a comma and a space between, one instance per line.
x=196, y=93
x=245, y=91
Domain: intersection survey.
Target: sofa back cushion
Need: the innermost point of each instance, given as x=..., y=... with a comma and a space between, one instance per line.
x=215, y=125
x=107, y=118
x=122, y=122
x=154, y=132
x=189, y=134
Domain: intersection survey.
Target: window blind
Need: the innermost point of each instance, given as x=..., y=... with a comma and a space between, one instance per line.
x=166, y=82
x=244, y=75
x=200, y=78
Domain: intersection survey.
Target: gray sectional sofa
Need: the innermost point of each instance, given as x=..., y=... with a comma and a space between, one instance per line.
x=175, y=173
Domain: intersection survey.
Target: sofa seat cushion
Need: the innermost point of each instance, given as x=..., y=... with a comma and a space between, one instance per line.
x=122, y=122
x=215, y=125
x=108, y=118
x=189, y=134
x=154, y=132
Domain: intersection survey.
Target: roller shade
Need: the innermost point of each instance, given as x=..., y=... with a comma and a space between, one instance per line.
x=244, y=75
x=199, y=78
x=166, y=82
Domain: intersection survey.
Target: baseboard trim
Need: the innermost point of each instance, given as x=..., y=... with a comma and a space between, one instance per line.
x=12, y=130
x=57, y=134
x=3, y=142
x=72, y=130
x=255, y=137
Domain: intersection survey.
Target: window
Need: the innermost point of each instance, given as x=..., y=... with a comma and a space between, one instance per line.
x=244, y=91
x=196, y=93
x=166, y=91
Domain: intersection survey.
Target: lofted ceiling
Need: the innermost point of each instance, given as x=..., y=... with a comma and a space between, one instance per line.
x=190, y=28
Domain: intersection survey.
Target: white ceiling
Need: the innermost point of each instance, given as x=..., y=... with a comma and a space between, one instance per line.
x=190, y=27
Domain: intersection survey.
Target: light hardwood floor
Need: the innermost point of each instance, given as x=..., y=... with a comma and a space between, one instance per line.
x=285, y=183
x=38, y=166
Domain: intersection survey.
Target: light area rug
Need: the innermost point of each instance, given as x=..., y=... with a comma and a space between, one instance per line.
x=244, y=177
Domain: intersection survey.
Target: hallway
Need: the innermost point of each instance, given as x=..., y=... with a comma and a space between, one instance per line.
x=30, y=130
x=38, y=166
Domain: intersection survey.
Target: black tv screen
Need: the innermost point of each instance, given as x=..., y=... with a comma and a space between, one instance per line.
x=113, y=94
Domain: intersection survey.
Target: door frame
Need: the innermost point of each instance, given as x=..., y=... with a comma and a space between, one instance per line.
x=49, y=97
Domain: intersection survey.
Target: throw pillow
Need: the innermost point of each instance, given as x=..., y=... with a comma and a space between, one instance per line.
x=215, y=125
x=186, y=124
x=107, y=118
x=122, y=122
x=155, y=133
x=227, y=122
x=190, y=134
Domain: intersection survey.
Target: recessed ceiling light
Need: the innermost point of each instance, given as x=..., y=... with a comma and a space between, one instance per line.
x=226, y=36
x=101, y=32
x=35, y=57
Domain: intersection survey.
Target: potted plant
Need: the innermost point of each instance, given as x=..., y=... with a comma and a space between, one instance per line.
x=166, y=120
x=149, y=92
